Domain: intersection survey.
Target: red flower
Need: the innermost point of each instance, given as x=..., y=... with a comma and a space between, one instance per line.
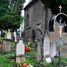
x=0, y=46
x=27, y=49
x=25, y=65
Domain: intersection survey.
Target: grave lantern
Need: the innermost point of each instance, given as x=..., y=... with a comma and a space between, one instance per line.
x=60, y=22
x=36, y=65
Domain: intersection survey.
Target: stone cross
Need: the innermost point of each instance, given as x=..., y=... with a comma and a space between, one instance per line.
x=60, y=8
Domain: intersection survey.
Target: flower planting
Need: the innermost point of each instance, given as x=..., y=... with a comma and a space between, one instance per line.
x=23, y=64
x=0, y=46
x=27, y=49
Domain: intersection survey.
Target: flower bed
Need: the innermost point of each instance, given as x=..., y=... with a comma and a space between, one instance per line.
x=23, y=64
x=27, y=49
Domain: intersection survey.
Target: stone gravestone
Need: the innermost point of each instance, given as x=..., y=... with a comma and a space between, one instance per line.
x=15, y=37
x=20, y=51
x=46, y=47
x=8, y=34
x=52, y=49
x=7, y=43
x=7, y=46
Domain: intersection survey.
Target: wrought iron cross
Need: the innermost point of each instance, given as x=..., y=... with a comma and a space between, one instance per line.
x=60, y=8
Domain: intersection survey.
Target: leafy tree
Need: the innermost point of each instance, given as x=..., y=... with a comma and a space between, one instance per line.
x=10, y=14
x=3, y=10
x=54, y=4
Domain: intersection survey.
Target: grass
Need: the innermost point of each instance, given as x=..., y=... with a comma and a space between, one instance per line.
x=31, y=61
x=54, y=63
x=5, y=63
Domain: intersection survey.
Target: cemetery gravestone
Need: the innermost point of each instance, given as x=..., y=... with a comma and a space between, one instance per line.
x=52, y=49
x=8, y=34
x=20, y=51
x=46, y=46
x=7, y=45
x=15, y=38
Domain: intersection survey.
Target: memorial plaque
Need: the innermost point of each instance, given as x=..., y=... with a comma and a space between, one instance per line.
x=48, y=59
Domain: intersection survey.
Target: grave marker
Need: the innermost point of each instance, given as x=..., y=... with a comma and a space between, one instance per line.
x=20, y=51
x=46, y=46
x=15, y=37
x=8, y=34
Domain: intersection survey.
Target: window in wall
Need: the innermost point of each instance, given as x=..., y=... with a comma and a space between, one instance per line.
x=27, y=21
x=51, y=27
x=51, y=23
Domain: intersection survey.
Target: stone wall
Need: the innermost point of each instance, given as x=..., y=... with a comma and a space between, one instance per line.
x=36, y=13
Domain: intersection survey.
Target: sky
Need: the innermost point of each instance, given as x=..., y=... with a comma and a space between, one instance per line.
x=22, y=25
x=26, y=2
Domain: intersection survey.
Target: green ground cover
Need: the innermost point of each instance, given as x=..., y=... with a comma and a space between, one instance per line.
x=5, y=63
x=32, y=61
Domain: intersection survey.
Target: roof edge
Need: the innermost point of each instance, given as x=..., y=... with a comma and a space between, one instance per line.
x=30, y=4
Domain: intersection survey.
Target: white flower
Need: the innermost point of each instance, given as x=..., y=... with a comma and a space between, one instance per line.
x=30, y=66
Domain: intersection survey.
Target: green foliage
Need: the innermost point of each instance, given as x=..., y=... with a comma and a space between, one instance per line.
x=4, y=62
x=30, y=45
x=32, y=53
x=64, y=59
x=31, y=61
x=54, y=4
x=13, y=45
x=54, y=63
x=9, y=55
x=10, y=17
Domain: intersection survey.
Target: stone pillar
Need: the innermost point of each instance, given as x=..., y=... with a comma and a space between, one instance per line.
x=38, y=53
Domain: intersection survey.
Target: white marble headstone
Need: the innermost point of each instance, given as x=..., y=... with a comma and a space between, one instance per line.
x=8, y=34
x=20, y=48
x=46, y=46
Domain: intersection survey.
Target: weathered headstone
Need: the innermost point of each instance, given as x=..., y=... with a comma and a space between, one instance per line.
x=20, y=51
x=8, y=34
x=15, y=37
x=46, y=46
x=7, y=45
x=52, y=49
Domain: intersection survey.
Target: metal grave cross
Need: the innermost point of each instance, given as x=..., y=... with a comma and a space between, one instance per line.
x=60, y=8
